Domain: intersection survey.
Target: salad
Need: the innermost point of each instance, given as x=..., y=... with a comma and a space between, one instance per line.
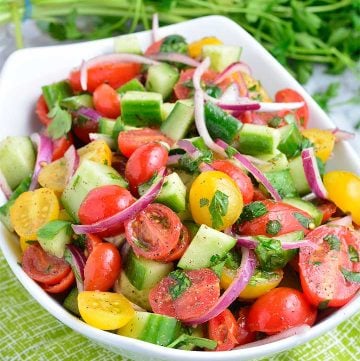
x=170, y=199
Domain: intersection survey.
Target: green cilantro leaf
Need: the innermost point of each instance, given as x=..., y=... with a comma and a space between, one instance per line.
x=181, y=285
x=204, y=202
x=351, y=276
x=304, y=221
x=333, y=242
x=230, y=151
x=273, y=227
x=174, y=44
x=185, y=340
x=275, y=122
x=323, y=98
x=218, y=208
x=252, y=211
x=60, y=124
x=353, y=254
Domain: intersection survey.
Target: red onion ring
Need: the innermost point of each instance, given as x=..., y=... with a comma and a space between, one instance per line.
x=175, y=57
x=275, y=107
x=189, y=148
x=155, y=27
x=4, y=186
x=129, y=212
x=173, y=159
x=77, y=264
x=341, y=135
x=239, y=66
x=312, y=173
x=88, y=113
x=344, y=221
x=205, y=167
x=72, y=161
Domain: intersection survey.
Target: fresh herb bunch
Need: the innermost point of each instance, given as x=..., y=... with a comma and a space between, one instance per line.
x=298, y=33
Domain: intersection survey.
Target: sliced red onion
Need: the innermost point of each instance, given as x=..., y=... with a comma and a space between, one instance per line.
x=244, y=273
x=298, y=330
x=112, y=59
x=106, y=138
x=341, y=135
x=344, y=221
x=309, y=197
x=205, y=167
x=252, y=242
x=4, y=186
x=260, y=176
x=239, y=67
x=189, y=148
x=129, y=212
x=44, y=156
x=77, y=263
x=88, y=113
x=72, y=162
x=231, y=95
x=239, y=107
x=155, y=27
x=312, y=173
x=176, y=58
x=275, y=107
x=173, y=159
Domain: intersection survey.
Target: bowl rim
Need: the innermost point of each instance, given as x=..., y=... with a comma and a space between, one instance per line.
x=142, y=347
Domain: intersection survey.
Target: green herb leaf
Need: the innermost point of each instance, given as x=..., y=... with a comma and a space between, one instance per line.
x=353, y=254
x=351, y=276
x=217, y=264
x=275, y=122
x=51, y=229
x=192, y=165
x=252, y=211
x=304, y=221
x=204, y=202
x=201, y=342
x=213, y=90
x=323, y=98
x=323, y=304
x=230, y=151
x=181, y=285
x=333, y=242
x=218, y=208
x=273, y=227
x=174, y=44
x=60, y=124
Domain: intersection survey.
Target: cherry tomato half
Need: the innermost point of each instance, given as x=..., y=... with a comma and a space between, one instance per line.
x=107, y=101
x=224, y=330
x=62, y=286
x=103, y=202
x=91, y=241
x=280, y=309
x=180, y=248
x=144, y=162
x=241, y=179
x=245, y=335
x=83, y=127
x=202, y=294
x=43, y=267
x=131, y=140
x=102, y=267
x=321, y=269
x=61, y=145
x=114, y=74
x=327, y=209
x=154, y=232
x=42, y=111
x=154, y=48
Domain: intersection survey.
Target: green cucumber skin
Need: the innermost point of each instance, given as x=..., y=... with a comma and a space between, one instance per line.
x=298, y=175
x=54, y=93
x=70, y=302
x=118, y=127
x=179, y=121
x=221, y=56
x=258, y=140
x=144, y=273
x=141, y=109
x=161, y=79
x=275, y=163
x=282, y=182
x=307, y=207
x=132, y=85
x=291, y=139
x=88, y=176
x=17, y=159
x=127, y=44
x=221, y=125
x=106, y=126
x=206, y=243
x=77, y=101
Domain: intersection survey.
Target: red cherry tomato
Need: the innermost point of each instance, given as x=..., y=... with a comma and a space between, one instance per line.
x=103, y=202
x=242, y=180
x=180, y=248
x=202, y=294
x=61, y=145
x=91, y=241
x=224, y=330
x=327, y=209
x=43, y=267
x=82, y=128
x=144, y=162
x=114, y=74
x=107, y=101
x=321, y=269
x=280, y=309
x=291, y=219
x=154, y=232
x=131, y=140
x=154, y=48
x=259, y=196
x=102, y=268
x=42, y=111
x=289, y=96
x=62, y=286
x=245, y=335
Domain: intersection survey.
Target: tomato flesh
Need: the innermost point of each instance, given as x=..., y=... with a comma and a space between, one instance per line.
x=107, y=101
x=180, y=248
x=62, y=286
x=244, y=335
x=61, y=145
x=321, y=269
x=42, y=111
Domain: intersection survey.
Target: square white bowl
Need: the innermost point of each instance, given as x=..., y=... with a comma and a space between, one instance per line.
x=20, y=85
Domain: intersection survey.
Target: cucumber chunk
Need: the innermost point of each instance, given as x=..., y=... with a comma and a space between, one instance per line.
x=54, y=236
x=77, y=101
x=207, y=243
x=17, y=159
x=141, y=109
x=290, y=140
x=118, y=127
x=88, y=176
x=276, y=163
x=145, y=273
x=178, y=122
x=282, y=181
x=106, y=126
x=258, y=139
x=298, y=175
x=132, y=85
x=151, y=327
x=307, y=207
x=70, y=302
x=54, y=93
x=221, y=56
x=166, y=109
x=127, y=44
x=161, y=79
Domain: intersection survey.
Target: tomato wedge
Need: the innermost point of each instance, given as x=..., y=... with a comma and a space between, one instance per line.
x=154, y=48
x=185, y=294
x=107, y=101
x=131, y=140
x=180, y=248
x=114, y=74
x=42, y=267
x=42, y=111
x=322, y=269
x=61, y=145
x=327, y=209
x=245, y=335
x=91, y=241
x=62, y=286
x=154, y=232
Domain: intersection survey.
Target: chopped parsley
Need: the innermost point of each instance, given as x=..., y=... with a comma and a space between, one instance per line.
x=60, y=124
x=304, y=221
x=351, y=276
x=275, y=122
x=192, y=165
x=333, y=241
x=174, y=44
x=252, y=211
x=188, y=340
x=218, y=208
x=273, y=227
x=353, y=254
x=323, y=304
x=204, y=202
x=230, y=151
x=181, y=285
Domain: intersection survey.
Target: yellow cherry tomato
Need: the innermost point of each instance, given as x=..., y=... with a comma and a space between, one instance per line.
x=105, y=310
x=64, y=216
x=323, y=140
x=256, y=90
x=215, y=200
x=195, y=48
x=344, y=190
x=98, y=151
x=260, y=283
x=32, y=210
x=24, y=243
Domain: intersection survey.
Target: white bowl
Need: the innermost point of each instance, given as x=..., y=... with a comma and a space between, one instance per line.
x=27, y=70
